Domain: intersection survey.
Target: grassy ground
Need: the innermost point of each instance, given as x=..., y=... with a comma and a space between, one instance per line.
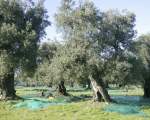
x=80, y=110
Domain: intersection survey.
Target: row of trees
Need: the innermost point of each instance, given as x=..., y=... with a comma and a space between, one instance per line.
x=98, y=47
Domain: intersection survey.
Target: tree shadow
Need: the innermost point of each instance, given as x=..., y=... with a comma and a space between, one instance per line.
x=78, y=90
x=80, y=98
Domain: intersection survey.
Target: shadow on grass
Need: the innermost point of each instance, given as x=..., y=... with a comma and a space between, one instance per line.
x=80, y=98
x=78, y=90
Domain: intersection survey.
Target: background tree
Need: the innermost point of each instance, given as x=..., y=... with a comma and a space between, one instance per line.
x=21, y=28
x=142, y=50
x=117, y=33
x=46, y=53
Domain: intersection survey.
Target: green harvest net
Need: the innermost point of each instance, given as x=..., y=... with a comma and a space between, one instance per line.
x=127, y=105
x=34, y=102
x=38, y=102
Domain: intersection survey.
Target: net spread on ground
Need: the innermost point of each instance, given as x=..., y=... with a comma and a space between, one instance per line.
x=127, y=105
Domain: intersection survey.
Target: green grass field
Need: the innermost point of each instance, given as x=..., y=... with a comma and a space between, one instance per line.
x=79, y=110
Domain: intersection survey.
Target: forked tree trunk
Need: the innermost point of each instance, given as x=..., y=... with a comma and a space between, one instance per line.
x=100, y=92
x=7, y=86
x=147, y=89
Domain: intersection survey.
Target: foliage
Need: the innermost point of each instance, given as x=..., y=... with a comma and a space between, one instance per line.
x=21, y=28
x=94, y=42
x=46, y=52
x=141, y=50
x=142, y=47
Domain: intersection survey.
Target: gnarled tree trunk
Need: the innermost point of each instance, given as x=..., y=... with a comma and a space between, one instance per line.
x=62, y=89
x=147, y=88
x=7, y=86
x=6, y=76
x=100, y=92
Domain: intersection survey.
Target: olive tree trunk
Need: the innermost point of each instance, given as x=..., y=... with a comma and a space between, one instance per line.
x=100, y=92
x=147, y=88
x=7, y=86
x=62, y=89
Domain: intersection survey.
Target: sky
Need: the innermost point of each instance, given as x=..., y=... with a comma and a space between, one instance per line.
x=141, y=8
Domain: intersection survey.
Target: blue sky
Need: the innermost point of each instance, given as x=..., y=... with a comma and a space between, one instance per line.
x=140, y=7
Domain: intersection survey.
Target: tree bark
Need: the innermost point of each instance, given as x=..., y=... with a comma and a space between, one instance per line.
x=7, y=86
x=62, y=89
x=100, y=92
x=147, y=88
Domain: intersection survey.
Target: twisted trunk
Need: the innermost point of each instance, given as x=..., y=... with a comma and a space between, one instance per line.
x=100, y=92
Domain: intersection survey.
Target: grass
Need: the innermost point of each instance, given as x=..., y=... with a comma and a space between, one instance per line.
x=81, y=110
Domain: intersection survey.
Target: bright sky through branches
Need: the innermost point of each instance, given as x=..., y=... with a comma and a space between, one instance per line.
x=140, y=7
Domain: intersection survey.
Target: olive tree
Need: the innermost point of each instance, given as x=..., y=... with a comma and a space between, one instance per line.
x=22, y=26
